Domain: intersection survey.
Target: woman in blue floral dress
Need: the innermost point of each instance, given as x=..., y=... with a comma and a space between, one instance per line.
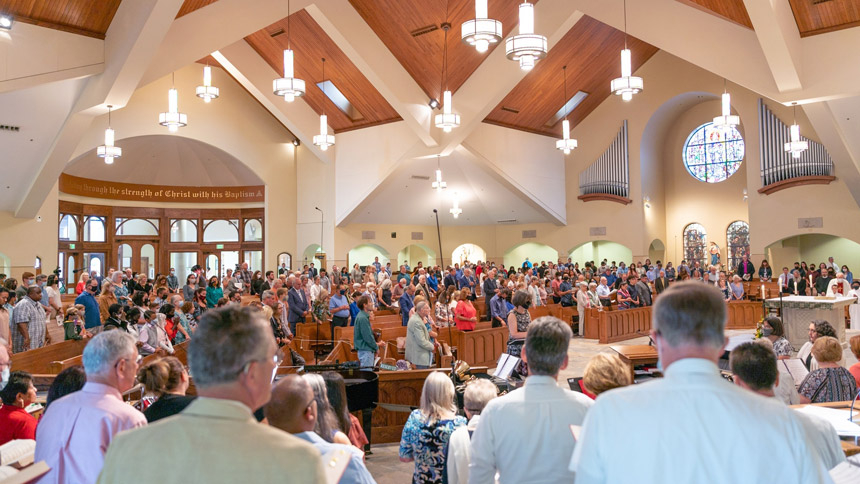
x=425, y=436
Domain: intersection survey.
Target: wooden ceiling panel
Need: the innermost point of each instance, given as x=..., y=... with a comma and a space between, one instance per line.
x=592, y=53
x=191, y=5
x=818, y=17
x=732, y=10
x=310, y=44
x=395, y=20
x=83, y=17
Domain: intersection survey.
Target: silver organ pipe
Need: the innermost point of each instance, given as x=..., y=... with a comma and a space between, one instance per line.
x=778, y=165
x=611, y=172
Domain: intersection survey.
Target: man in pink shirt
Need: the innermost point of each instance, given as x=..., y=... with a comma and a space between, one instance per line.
x=74, y=435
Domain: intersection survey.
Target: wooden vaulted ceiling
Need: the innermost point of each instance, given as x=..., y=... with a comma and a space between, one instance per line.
x=818, y=17
x=591, y=52
x=731, y=10
x=394, y=21
x=310, y=44
x=84, y=17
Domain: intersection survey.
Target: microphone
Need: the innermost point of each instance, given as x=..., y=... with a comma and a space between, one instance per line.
x=650, y=341
x=318, y=208
x=434, y=211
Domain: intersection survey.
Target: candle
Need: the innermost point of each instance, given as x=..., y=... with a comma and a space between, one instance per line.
x=762, y=291
x=810, y=280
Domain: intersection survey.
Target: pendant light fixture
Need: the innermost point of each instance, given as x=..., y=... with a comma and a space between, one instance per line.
x=439, y=185
x=448, y=120
x=795, y=146
x=207, y=91
x=324, y=140
x=288, y=86
x=527, y=47
x=456, y=210
x=727, y=120
x=108, y=151
x=627, y=85
x=173, y=119
x=565, y=144
x=481, y=31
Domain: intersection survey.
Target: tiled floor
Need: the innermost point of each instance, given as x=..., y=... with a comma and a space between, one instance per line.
x=386, y=467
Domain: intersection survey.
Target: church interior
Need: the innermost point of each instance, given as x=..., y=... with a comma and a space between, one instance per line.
x=192, y=137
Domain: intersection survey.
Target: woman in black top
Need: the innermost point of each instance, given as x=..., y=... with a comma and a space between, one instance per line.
x=167, y=379
x=257, y=281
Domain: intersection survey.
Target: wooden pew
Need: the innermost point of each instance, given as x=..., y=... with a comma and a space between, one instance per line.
x=38, y=361
x=623, y=325
x=309, y=331
x=592, y=323
x=400, y=388
x=347, y=333
x=540, y=311
x=341, y=353
x=743, y=314
x=481, y=347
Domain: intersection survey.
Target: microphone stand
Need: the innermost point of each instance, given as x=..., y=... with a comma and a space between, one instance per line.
x=447, y=314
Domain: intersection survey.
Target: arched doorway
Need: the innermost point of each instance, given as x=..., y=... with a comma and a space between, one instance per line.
x=468, y=252
x=813, y=248
x=415, y=253
x=597, y=250
x=657, y=251
x=309, y=255
x=535, y=252
x=365, y=254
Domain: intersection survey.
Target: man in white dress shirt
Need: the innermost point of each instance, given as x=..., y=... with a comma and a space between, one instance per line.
x=525, y=435
x=754, y=368
x=692, y=425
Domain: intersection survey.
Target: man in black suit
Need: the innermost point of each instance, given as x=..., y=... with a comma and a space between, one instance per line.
x=746, y=269
x=797, y=284
x=661, y=283
x=298, y=303
x=451, y=278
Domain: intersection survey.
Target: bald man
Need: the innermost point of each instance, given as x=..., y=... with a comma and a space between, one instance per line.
x=293, y=409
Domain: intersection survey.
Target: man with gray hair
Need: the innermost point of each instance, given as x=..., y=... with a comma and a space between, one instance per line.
x=477, y=395
x=73, y=436
x=233, y=359
x=525, y=435
x=701, y=429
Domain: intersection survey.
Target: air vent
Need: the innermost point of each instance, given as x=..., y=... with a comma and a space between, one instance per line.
x=424, y=30
x=420, y=177
x=417, y=235
x=596, y=231
x=5, y=127
x=529, y=234
x=508, y=221
x=276, y=33
x=510, y=110
x=368, y=234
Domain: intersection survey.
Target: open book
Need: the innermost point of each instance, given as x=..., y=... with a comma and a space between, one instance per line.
x=11, y=475
x=795, y=368
x=505, y=366
x=18, y=452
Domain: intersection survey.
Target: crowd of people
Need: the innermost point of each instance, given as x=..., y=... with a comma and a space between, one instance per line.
x=88, y=433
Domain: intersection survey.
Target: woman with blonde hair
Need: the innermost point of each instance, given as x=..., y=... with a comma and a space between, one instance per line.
x=165, y=382
x=427, y=431
x=606, y=371
x=830, y=382
x=82, y=283
x=106, y=299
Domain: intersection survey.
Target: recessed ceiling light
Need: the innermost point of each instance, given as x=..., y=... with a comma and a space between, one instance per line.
x=5, y=22
x=433, y=104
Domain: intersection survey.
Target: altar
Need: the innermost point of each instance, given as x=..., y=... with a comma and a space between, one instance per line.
x=799, y=311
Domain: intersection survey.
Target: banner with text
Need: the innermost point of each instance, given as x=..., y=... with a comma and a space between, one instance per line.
x=87, y=187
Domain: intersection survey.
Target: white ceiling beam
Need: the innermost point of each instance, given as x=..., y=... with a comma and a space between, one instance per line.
x=779, y=38
x=213, y=27
x=135, y=33
x=31, y=55
x=359, y=42
x=837, y=133
x=242, y=62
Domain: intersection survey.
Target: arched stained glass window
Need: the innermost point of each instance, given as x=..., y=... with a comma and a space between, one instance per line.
x=695, y=240
x=713, y=154
x=737, y=241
